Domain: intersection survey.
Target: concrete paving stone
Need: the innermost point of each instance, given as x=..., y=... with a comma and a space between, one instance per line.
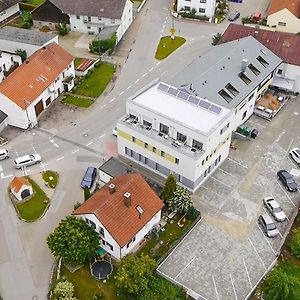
x=234, y=167
x=226, y=178
x=212, y=198
x=219, y=187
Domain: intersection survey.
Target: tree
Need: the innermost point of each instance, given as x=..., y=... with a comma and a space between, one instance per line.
x=216, y=38
x=22, y=54
x=192, y=213
x=134, y=273
x=64, y=290
x=295, y=243
x=280, y=285
x=62, y=28
x=181, y=200
x=73, y=240
x=169, y=188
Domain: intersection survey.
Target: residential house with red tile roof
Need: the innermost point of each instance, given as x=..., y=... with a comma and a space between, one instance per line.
x=20, y=188
x=31, y=88
x=283, y=44
x=123, y=212
x=284, y=15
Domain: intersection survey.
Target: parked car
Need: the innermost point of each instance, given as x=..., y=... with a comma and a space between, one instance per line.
x=4, y=154
x=233, y=16
x=27, y=160
x=274, y=208
x=268, y=226
x=288, y=181
x=295, y=155
x=89, y=177
x=115, y=131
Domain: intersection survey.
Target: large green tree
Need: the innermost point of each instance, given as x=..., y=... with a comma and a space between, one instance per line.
x=280, y=285
x=181, y=200
x=169, y=188
x=295, y=243
x=73, y=240
x=134, y=273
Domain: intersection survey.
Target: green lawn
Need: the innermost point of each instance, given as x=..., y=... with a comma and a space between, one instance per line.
x=167, y=46
x=96, y=82
x=51, y=178
x=34, y=208
x=81, y=102
x=34, y=2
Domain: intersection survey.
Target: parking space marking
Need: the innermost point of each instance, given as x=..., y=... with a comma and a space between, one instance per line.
x=102, y=106
x=145, y=74
x=17, y=153
x=75, y=151
x=137, y=80
x=101, y=136
x=257, y=254
x=112, y=100
x=247, y=274
x=290, y=145
x=121, y=93
x=266, y=239
x=289, y=198
x=238, y=163
x=185, y=267
x=151, y=69
x=233, y=287
x=89, y=144
x=220, y=182
x=215, y=287
x=60, y=158
x=228, y=173
x=129, y=87
x=6, y=176
x=256, y=124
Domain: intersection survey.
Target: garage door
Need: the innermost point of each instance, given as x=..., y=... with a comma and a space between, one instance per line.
x=38, y=107
x=25, y=193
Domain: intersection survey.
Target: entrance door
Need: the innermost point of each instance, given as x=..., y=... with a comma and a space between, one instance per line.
x=38, y=107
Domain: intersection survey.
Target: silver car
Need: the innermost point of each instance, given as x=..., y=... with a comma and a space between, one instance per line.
x=274, y=208
x=27, y=160
x=268, y=226
x=4, y=154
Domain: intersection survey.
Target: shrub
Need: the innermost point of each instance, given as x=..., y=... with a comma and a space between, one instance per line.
x=64, y=290
x=76, y=205
x=181, y=200
x=169, y=188
x=86, y=193
x=295, y=243
x=192, y=213
x=101, y=46
x=62, y=29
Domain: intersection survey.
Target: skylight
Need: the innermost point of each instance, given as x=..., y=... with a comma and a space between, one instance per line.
x=262, y=61
x=246, y=79
x=232, y=89
x=254, y=70
x=225, y=95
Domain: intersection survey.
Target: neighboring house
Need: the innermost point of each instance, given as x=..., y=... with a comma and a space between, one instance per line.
x=185, y=127
x=202, y=7
x=285, y=45
x=31, y=88
x=8, y=63
x=3, y=120
x=8, y=10
x=92, y=17
x=122, y=212
x=21, y=188
x=284, y=15
x=13, y=39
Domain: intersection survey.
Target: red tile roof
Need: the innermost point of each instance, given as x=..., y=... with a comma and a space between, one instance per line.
x=18, y=182
x=292, y=5
x=30, y=79
x=123, y=222
x=285, y=45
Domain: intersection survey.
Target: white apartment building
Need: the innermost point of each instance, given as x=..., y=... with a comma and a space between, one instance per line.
x=185, y=127
x=202, y=7
x=8, y=62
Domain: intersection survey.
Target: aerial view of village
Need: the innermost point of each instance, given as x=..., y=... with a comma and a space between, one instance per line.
x=149, y=149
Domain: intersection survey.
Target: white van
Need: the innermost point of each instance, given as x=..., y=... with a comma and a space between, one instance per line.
x=27, y=160
x=4, y=154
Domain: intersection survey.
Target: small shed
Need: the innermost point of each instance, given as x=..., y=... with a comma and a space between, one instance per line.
x=21, y=188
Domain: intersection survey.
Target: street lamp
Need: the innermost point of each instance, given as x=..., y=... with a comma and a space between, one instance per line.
x=26, y=103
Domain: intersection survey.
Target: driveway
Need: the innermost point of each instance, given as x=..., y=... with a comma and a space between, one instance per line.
x=226, y=254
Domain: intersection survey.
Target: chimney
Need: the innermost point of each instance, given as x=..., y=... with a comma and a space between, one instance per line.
x=244, y=64
x=111, y=188
x=127, y=199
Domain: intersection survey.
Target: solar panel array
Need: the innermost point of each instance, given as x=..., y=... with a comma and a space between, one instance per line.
x=189, y=98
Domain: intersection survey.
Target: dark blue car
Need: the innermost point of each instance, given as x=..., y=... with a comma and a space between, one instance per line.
x=89, y=177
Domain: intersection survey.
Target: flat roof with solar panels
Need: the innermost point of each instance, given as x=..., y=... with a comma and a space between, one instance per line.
x=188, y=110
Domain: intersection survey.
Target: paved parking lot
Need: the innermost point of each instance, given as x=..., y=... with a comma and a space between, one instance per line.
x=226, y=253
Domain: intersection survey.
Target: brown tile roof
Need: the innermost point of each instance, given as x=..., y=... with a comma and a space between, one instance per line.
x=94, y=8
x=120, y=221
x=285, y=45
x=30, y=79
x=18, y=182
x=292, y=5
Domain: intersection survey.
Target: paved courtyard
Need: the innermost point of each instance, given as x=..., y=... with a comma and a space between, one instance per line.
x=226, y=253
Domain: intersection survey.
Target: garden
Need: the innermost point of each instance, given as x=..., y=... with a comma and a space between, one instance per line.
x=167, y=45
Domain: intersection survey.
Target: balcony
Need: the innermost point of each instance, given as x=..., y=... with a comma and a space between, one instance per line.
x=162, y=138
x=92, y=22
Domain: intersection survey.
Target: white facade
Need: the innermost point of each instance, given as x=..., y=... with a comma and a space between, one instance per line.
x=7, y=13
x=7, y=60
x=288, y=77
x=109, y=244
x=284, y=21
x=94, y=25
x=18, y=117
x=202, y=7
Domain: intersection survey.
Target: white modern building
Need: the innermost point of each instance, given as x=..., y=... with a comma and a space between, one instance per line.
x=31, y=88
x=202, y=7
x=8, y=62
x=122, y=212
x=184, y=127
x=13, y=39
x=8, y=10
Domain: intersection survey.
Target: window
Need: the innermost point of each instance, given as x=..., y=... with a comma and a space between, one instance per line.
x=187, y=0
x=99, y=19
x=196, y=144
x=89, y=19
x=187, y=8
x=232, y=89
x=91, y=223
x=246, y=79
x=262, y=61
x=281, y=23
x=205, y=173
x=89, y=27
x=162, y=153
x=254, y=70
x=251, y=96
x=224, y=129
x=225, y=95
x=163, y=128
x=133, y=139
x=147, y=124
x=134, y=117
x=201, y=10
x=202, y=1
x=244, y=115
x=154, y=149
x=279, y=72
x=78, y=17
x=113, y=21
x=110, y=246
x=177, y=161
x=181, y=137
x=101, y=231
x=202, y=162
x=146, y=145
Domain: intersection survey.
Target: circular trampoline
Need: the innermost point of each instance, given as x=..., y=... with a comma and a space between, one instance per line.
x=101, y=269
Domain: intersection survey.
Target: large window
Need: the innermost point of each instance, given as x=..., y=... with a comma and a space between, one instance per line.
x=163, y=128
x=187, y=8
x=197, y=145
x=201, y=10
x=246, y=79
x=282, y=23
x=254, y=70
x=181, y=137
x=91, y=223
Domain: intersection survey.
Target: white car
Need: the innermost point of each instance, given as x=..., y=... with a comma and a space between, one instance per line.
x=27, y=160
x=4, y=154
x=274, y=208
x=295, y=155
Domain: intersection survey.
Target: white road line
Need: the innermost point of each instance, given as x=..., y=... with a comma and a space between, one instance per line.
x=215, y=287
x=60, y=158
x=289, y=198
x=151, y=69
x=121, y=93
x=165, y=21
x=290, y=145
x=46, y=164
x=257, y=254
x=157, y=63
x=145, y=74
x=112, y=100
x=130, y=86
x=220, y=181
x=17, y=153
x=55, y=145
x=237, y=162
x=191, y=39
x=137, y=80
x=102, y=106
x=24, y=171
x=279, y=136
x=225, y=172
x=75, y=151
x=266, y=239
x=247, y=273
x=6, y=176
x=233, y=287
x=43, y=166
x=185, y=267
x=2, y=175
x=101, y=136
x=52, y=141
x=89, y=144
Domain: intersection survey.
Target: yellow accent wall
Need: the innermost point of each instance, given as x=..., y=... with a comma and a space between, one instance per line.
x=124, y=135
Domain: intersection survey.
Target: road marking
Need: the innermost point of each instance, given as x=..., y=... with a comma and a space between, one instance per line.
x=247, y=273
x=103, y=106
x=151, y=69
x=16, y=152
x=279, y=136
x=24, y=171
x=185, y=267
x=60, y=158
x=130, y=86
x=215, y=287
x=158, y=63
x=289, y=198
x=220, y=181
x=266, y=239
x=52, y=141
x=165, y=21
x=101, y=136
x=137, y=80
x=89, y=144
x=121, y=93
x=145, y=74
x=238, y=163
x=290, y=145
x=75, y=151
x=191, y=39
x=112, y=100
x=233, y=287
x=43, y=166
x=225, y=172
x=46, y=164
x=257, y=254
x=6, y=176
x=55, y=145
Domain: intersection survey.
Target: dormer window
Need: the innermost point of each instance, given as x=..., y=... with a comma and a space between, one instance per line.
x=225, y=95
x=254, y=70
x=262, y=61
x=232, y=89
